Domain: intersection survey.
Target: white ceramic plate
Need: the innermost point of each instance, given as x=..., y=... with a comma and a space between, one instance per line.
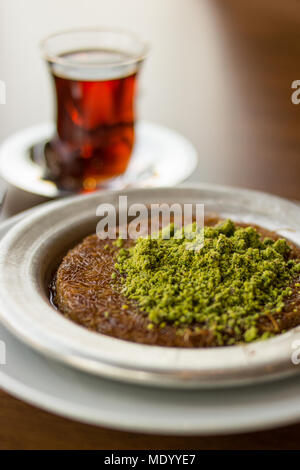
x=65, y=391
x=30, y=251
x=161, y=157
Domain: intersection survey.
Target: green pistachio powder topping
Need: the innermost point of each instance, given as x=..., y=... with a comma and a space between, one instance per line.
x=225, y=287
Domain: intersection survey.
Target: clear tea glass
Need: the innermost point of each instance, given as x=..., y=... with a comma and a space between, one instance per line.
x=95, y=76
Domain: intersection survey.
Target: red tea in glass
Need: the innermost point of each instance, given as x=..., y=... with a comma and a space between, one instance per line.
x=95, y=74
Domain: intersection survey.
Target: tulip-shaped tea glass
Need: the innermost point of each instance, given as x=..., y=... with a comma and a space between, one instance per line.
x=95, y=74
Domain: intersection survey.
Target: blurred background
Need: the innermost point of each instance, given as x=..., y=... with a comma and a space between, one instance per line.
x=218, y=72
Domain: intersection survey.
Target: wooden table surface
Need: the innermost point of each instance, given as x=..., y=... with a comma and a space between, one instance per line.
x=261, y=149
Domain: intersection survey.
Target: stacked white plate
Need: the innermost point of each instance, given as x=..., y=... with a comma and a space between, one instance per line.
x=58, y=365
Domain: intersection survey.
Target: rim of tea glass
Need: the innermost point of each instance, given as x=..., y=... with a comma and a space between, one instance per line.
x=55, y=58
